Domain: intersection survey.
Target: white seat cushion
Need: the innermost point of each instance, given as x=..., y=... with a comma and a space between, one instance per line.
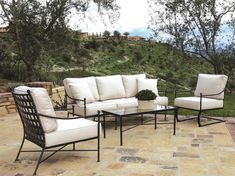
x=93, y=108
x=91, y=82
x=81, y=91
x=211, y=84
x=43, y=105
x=124, y=102
x=194, y=103
x=130, y=84
x=71, y=130
x=161, y=101
x=150, y=84
x=110, y=87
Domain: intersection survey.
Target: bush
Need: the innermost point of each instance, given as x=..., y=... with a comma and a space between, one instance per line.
x=146, y=95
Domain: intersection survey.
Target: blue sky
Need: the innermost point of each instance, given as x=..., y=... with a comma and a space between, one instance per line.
x=134, y=17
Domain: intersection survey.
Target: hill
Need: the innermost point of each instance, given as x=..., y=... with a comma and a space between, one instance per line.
x=102, y=56
x=159, y=60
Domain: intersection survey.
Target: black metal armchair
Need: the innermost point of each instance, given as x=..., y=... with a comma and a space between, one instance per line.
x=209, y=95
x=47, y=131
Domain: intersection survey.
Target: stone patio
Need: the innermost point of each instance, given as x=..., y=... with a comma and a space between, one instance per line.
x=194, y=151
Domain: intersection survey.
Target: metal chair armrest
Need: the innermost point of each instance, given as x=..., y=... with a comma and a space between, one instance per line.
x=212, y=94
x=182, y=92
x=61, y=118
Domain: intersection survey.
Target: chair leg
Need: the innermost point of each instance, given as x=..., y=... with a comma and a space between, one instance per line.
x=176, y=116
x=39, y=161
x=199, y=119
x=98, y=149
x=142, y=119
x=98, y=142
x=215, y=120
x=18, y=154
x=182, y=120
x=74, y=146
x=104, y=125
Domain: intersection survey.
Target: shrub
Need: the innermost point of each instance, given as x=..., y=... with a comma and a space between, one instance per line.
x=146, y=95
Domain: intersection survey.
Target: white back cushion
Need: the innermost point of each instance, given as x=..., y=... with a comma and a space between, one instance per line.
x=81, y=91
x=211, y=84
x=150, y=84
x=130, y=84
x=91, y=82
x=43, y=105
x=110, y=87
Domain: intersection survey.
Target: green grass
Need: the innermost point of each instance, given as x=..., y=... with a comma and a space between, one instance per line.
x=228, y=111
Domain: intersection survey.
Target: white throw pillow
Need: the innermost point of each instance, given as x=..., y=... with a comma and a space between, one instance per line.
x=211, y=84
x=43, y=105
x=91, y=82
x=130, y=84
x=81, y=91
x=110, y=87
x=150, y=84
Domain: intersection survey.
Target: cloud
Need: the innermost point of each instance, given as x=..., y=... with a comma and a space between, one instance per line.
x=133, y=14
x=134, y=19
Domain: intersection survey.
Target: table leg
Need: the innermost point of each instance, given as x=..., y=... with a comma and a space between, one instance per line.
x=120, y=130
x=115, y=122
x=142, y=119
x=104, y=125
x=175, y=116
x=155, y=121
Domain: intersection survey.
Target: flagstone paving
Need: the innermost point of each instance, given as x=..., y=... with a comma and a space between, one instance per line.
x=193, y=151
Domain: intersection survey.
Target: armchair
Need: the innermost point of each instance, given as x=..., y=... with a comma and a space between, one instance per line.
x=42, y=127
x=209, y=95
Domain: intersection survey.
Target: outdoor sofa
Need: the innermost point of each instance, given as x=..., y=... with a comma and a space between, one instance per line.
x=86, y=96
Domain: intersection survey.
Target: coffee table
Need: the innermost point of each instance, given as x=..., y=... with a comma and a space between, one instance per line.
x=120, y=113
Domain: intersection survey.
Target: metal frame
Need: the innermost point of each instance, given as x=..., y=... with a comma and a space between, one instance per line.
x=33, y=131
x=90, y=116
x=93, y=116
x=168, y=100
x=74, y=99
x=200, y=111
x=155, y=112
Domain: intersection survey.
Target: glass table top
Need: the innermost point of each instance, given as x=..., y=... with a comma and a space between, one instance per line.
x=136, y=110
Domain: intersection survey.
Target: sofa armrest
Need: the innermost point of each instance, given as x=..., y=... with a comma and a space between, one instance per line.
x=73, y=105
x=75, y=99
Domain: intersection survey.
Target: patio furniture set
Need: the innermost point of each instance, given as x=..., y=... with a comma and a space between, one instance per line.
x=102, y=97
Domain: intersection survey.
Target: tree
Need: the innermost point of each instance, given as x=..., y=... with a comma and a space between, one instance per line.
x=126, y=34
x=137, y=57
x=83, y=58
x=106, y=34
x=116, y=35
x=38, y=26
x=195, y=26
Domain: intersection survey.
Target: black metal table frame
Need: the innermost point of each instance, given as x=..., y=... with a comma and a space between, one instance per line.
x=155, y=112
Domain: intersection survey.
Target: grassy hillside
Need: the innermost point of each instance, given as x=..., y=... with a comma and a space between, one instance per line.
x=107, y=57
x=155, y=59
